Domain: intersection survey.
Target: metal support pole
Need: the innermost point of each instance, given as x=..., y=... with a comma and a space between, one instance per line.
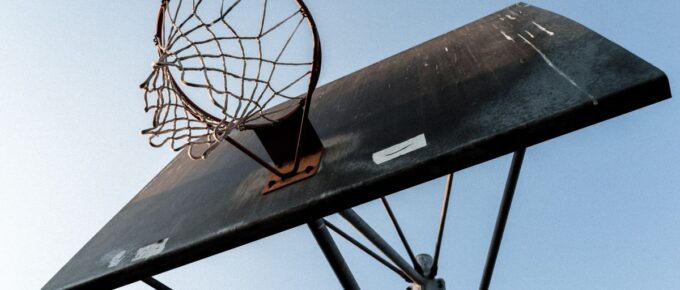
x=402, y=237
x=333, y=255
x=155, y=284
x=502, y=218
x=367, y=250
x=442, y=224
x=366, y=230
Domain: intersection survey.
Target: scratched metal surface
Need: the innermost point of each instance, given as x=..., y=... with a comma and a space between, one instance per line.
x=510, y=80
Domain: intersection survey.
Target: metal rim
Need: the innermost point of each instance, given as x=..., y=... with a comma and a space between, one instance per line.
x=213, y=121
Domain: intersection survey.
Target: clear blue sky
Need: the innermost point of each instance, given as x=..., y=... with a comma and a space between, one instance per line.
x=595, y=209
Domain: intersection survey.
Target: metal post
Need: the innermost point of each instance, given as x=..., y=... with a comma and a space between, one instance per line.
x=333, y=255
x=402, y=237
x=367, y=250
x=155, y=284
x=366, y=230
x=502, y=218
x=442, y=224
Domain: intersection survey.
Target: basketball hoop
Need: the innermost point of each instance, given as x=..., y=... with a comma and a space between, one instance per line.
x=236, y=65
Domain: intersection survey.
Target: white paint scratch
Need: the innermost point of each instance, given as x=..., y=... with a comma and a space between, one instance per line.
x=529, y=33
x=543, y=28
x=510, y=17
x=240, y=224
x=472, y=55
x=446, y=49
x=560, y=72
x=400, y=149
x=507, y=36
x=149, y=251
x=117, y=259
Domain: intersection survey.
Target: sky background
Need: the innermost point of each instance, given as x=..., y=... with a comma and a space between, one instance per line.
x=595, y=209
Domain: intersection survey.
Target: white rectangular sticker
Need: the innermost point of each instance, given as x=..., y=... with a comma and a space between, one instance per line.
x=400, y=149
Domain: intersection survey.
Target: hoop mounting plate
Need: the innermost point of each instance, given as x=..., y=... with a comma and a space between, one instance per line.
x=309, y=165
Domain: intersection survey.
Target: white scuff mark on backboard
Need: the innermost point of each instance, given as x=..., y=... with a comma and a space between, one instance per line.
x=472, y=55
x=510, y=17
x=231, y=228
x=560, y=72
x=400, y=149
x=507, y=36
x=151, y=250
x=543, y=28
x=117, y=258
x=529, y=33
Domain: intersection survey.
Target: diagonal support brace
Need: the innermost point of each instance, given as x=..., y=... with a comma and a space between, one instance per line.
x=502, y=219
x=155, y=284
x=353, y=218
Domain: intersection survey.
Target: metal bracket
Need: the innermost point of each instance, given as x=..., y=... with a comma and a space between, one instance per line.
x=431, y=284
x=294, y=147
x=309, y=165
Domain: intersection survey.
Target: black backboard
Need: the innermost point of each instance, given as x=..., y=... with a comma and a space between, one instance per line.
x=510, y=80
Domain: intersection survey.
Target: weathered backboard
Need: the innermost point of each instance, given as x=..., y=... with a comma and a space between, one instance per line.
x=510, y=80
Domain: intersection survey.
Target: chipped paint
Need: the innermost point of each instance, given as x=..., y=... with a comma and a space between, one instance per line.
x=560, y=72
x=507, y=36
x=474, y=58
x=117, y=258
x=231, y=228
x=543, y=28
x=400, y=149
x=510, y=17
x=151, y=250
x=529, y=33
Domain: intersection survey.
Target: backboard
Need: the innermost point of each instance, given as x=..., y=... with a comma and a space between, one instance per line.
x=515, y=78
